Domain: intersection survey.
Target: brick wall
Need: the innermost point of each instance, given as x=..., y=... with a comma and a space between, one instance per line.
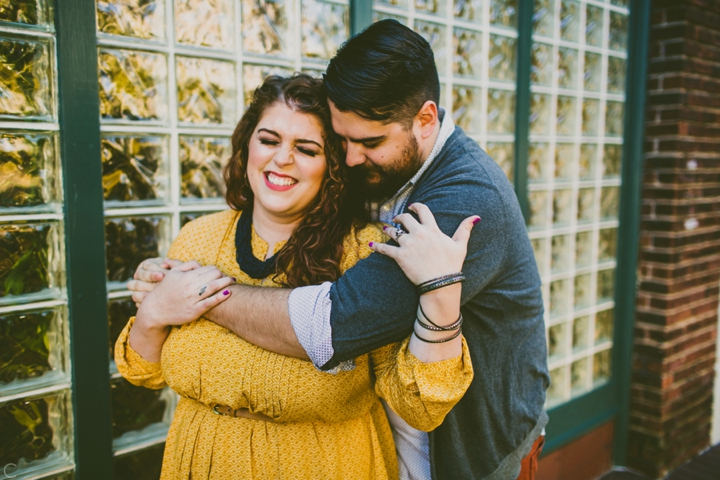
x=679, y=263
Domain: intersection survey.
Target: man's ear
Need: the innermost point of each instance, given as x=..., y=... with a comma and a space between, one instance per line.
x=427, y=119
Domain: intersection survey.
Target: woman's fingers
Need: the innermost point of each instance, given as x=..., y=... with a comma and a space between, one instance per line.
x=462, y=234
x=384, y=248
x=392, y=232
x=407, y=221
x=208, y=303
x=186, y=266
x=214, y=286
x=424, y=214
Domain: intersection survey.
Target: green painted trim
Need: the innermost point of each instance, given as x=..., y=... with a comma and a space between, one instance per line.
x=576, y=417
x=522, y=102
x=84, y=236
x=630, y=206
x=361, y=15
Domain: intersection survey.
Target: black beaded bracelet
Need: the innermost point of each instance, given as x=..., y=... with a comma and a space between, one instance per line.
x=437, y=328
x=453, y=336
x=440, y=282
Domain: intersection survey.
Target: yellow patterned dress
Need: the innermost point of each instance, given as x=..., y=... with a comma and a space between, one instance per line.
x=326, y=426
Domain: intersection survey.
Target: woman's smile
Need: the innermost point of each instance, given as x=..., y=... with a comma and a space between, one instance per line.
x=279, y=182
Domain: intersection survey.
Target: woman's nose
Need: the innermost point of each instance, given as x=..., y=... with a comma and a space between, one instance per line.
x=284, y=157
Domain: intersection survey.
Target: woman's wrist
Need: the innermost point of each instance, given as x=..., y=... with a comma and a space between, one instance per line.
x=441, y=306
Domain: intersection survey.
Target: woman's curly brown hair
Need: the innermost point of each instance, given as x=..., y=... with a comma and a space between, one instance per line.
x=313, y=253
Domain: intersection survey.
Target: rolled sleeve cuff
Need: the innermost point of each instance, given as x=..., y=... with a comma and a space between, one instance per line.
x=309, y=309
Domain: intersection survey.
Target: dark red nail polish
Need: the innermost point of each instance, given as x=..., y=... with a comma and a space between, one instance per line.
x=384, y=227
x=226, y=292
x=476, y=221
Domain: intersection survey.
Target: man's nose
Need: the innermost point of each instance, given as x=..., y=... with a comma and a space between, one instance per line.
x=354, y=155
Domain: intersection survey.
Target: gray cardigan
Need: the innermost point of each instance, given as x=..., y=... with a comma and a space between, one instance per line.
x=493, y=427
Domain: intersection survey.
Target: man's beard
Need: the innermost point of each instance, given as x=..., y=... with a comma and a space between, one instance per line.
x=378, y=183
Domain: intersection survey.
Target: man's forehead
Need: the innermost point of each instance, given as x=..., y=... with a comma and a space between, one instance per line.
x=356, y=127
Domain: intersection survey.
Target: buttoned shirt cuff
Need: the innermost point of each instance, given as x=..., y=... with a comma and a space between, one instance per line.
x=309, y=308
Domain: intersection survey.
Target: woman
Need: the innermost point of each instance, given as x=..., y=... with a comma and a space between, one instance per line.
x=246, y=412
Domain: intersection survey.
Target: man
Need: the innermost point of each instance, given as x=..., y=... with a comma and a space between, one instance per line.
x=383, y=89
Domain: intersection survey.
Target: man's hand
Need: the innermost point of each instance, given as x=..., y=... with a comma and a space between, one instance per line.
x=149, y=273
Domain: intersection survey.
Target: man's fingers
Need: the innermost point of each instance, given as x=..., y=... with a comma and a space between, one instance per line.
x=424, y=214
x=384, y=248
x=150, y=270
x=140, y=286
x=186, y=266
x=172, y=263
x=138, y=297
x=462, y=234
x=208, y=303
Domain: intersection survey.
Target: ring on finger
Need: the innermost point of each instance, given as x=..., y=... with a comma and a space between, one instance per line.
x=399, y=233
x=202, y=290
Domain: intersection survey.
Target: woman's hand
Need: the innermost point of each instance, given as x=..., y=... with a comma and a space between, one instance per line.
x=424, y=251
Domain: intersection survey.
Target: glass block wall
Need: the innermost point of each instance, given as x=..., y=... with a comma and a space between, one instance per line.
x=578, y=66
x=35, y=408
x=475, y=43
x=174, y=77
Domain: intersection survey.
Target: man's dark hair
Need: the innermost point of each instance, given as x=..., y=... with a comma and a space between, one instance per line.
x=385, y=73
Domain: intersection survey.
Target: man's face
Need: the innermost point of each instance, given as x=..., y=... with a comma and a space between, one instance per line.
x=383, y=157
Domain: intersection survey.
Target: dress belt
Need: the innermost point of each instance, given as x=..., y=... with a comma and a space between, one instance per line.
x=240, y=412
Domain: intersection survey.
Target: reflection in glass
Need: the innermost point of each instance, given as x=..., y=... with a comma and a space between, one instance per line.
x=611, y=160
x=614, y=118
x=504, y=154
x=206, y=90
x=537, y=217
x=557, y=341
x=543, y=17
x=570, y=20
x=567, y=68
x=616, y=75
x=29, y=345
x=201, y=160
x=541, y=68
x=27, y=262
x=28, y=172
x=134, y=408
x=562, y=207
x=132, y=85
x=190, y=216
x=588, y=161
x=609, y=202
x=129, y=241
x=585, y=205
x=392, y=3
x=605, y=285
x=540, y=113
x=559, y=294
x=592, y=75
x=28, y=429
x=132, y=18
x=581, y=334
x=204, y=23
x=566, y=114
x=603, y=326
x=145, y=464
x=583, y=292
x=601, y=367
x=583, y=249
x=503, y=13
x=561, y=254
x=254, y=75
x=564, y=161
x=265, y=27
x=558, y=387
x=430, y=6
x=29, y=12
x=590, y=116
x=617, y=35
x=25, y=85
x=539, y=245
x=467, y=53
x=538, y=162
x=501, y=111
x=434, y=33
x=501, y=58
x=325, y=26
x=470, y=10
x=607, y=245
x=579, y=380
x=593, y=26
x=119, y=312
x=133, y=168
x=466, y=108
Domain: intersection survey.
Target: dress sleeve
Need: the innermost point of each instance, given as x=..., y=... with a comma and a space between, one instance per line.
x=421, y=393
x=132, y=366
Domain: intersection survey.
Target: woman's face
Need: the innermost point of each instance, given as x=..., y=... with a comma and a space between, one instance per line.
x=286, y=162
